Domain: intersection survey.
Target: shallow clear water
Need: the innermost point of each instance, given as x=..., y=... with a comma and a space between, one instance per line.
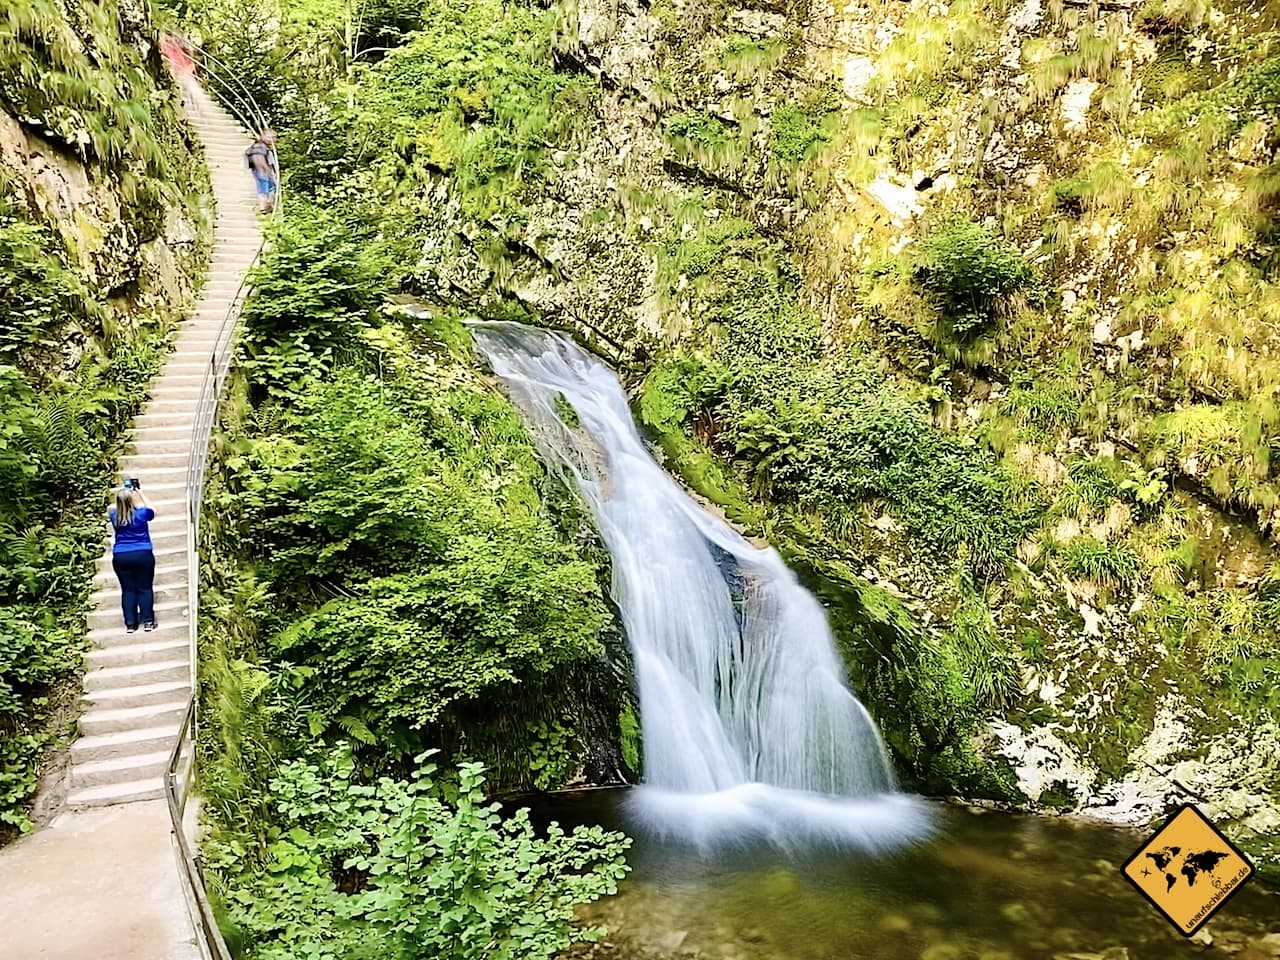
x=986, y=885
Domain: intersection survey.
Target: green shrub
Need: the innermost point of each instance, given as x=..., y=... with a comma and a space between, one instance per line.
x=698, y=128
x=990, y=667
x=969, y=273
x=409, y=560
x=1112, y=563
x=319, y=283
x=798, y=132
x=496, y=610
x=399, y=868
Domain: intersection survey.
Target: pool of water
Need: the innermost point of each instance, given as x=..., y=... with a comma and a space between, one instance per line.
x=985, y=885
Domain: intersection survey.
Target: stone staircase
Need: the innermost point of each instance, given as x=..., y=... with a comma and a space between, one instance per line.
x=136, y=686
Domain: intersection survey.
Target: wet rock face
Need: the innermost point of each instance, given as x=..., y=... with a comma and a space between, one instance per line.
x=129, y=217
x=682, y=133
x=585, y=255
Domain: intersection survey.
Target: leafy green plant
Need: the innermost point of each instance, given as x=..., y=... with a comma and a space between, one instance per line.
x=1146, y=491
x=698, y=128
x=408, y=868
x=969, y=273
x=990, y=667
x=799, y=132
x=320, y=282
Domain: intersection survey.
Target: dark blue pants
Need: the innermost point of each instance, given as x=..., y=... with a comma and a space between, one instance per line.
x=136, y=570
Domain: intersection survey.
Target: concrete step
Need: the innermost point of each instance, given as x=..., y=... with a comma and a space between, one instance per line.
x=138, y=767
x=226, y=283
x=177, y=433
x=171, y=406
x=106, y=621
x=143, y=650
x=127, y=792
x=164, y=419
x=108, y=746
x=187, y=393
x=198, y=341
x=243, y=238
x=161, y=486
x=193, y=376
x=98, y=722
x=110, y=632
x=176, y=462
x=156, y=479
x=209, y=318
x=172, y=431
x=137, y=674
x=169, y=494
x=198, y=378
x=143, y=695
x=229, y=254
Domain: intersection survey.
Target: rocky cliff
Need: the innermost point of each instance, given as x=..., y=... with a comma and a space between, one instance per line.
x=1041, y=235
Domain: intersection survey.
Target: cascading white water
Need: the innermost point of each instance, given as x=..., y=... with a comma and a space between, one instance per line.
x=748, y=728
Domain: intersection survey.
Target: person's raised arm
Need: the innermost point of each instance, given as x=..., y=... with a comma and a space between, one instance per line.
x=139, y=502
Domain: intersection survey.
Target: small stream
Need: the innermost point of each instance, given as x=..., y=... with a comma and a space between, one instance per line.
x=985, y=886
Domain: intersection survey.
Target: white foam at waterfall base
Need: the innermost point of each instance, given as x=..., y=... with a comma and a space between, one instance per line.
x=791, y=820
x=749, y=732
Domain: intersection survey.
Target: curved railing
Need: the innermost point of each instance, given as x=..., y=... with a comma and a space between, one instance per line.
x=229, y=90
x=181, y=771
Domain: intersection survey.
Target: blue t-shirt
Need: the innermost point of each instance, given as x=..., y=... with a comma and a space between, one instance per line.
x=135, y=536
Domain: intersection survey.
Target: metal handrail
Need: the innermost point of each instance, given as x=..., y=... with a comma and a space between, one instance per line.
x=225, y=77
x=179, y=774
x=176, y=791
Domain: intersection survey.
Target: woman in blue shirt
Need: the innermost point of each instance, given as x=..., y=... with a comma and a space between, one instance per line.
x=132, y=556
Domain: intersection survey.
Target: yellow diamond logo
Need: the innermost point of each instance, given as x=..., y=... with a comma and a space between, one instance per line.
x=1188, y=870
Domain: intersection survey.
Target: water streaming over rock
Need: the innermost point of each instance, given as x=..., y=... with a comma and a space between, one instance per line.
x=748, y=728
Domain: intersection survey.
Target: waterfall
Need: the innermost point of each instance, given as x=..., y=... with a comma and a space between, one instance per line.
x=747, y=725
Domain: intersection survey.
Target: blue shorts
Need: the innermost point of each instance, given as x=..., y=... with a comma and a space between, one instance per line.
x=266, y=184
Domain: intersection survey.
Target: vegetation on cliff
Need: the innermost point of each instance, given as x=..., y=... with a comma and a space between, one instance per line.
x=1005, y=399
x=390, y=567
x=87, y=123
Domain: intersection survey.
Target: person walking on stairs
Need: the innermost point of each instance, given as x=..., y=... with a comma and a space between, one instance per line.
x=132, y=556
x=177, y=54
x=261, y=156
